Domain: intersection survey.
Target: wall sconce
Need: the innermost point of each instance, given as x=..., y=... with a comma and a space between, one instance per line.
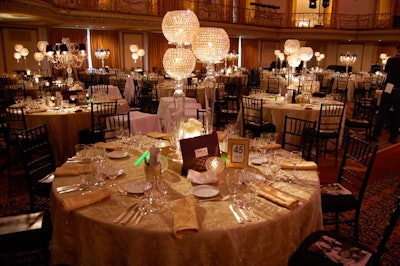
x=20, y=51
x=384, y=58
x=136, y=52
x=319, y=57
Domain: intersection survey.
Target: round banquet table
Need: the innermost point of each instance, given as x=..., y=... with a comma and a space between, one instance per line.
x=64, y=127
x=87, y=236
x=275, y=111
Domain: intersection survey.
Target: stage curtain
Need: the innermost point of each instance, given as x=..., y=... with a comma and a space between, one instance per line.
x=250, y=53
x=107, y=40
x=157, y=46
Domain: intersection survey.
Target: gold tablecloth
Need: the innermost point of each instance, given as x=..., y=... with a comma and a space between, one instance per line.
x=87, y=236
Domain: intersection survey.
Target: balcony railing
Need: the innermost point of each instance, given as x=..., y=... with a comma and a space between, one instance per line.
x=207, y=11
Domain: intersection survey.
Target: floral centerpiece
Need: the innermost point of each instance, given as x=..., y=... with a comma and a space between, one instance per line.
x=192, y=128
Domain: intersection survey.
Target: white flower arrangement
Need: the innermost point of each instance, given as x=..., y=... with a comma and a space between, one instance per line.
x=192, y=127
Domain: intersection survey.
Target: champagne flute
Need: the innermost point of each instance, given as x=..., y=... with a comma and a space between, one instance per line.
x=296, y=157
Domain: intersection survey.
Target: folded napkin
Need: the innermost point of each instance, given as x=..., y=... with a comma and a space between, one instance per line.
x=76, y=202
x=202, y=177
x=109, y=146
x=281, y=198
x=185, y=218
x=38, y=110
x=156, y=135
x=306, y=165
x=69, y=169
x=274, y=146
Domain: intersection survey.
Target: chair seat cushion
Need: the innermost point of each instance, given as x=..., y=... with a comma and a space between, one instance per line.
x=357, y=122
x=326, y=248
x=327, y=133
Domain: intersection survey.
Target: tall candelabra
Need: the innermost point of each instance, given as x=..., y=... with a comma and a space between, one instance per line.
x=102, y=54
x=66, y=55
x=348, y=59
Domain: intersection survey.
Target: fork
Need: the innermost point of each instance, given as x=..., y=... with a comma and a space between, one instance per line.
x=123, y=216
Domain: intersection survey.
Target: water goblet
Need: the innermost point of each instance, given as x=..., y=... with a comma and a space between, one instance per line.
x=233, y=180
x=79, y=150
x=296, y=157
x=163, y=187
x=85, y=178
x=149, y=190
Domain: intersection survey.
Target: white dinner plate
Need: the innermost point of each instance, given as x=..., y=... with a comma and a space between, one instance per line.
x=134, y=187
x=256, y=160
x=117, y=154
x=205, y=191
x=109, y=170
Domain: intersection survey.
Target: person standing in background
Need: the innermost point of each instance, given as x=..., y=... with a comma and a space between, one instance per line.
x=390, y=98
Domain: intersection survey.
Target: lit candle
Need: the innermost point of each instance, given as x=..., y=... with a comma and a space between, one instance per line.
x=215, y=164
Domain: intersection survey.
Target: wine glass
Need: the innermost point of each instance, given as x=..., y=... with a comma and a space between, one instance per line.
x=233, y=180
x=149, y=190
x=163, y=187
x=85, y=178
x=79, y=150
x=253, y=181
x=296, y=157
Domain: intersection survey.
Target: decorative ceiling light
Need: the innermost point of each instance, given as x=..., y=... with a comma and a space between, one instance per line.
x=291, y=46
x=305, y=54
x=136, y=52
x=210, y=46
x=347, y=59
x=102, y=54
x=180, y=27
x=66, y=55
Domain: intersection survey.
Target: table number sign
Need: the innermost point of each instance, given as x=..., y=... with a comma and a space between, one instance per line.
x=238, y=153
x=81, y=98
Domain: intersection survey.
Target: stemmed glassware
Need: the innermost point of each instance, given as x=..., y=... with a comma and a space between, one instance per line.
x=253, y=182
x=296, y=157
x=233, y=180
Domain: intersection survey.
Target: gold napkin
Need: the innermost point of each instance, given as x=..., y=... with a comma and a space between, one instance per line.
x=306, y=165
x=38, y=110
x=69, y=169
x=274, y=146
x=156, y=135
x=279, y=197
x=109, y=146
x=76, y=202
x=185, y=218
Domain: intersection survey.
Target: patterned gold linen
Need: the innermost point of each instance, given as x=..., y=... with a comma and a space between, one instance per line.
x=276, y=196
x=185, y=218
x=79, y=235
x=79, y=201
x=301, y=166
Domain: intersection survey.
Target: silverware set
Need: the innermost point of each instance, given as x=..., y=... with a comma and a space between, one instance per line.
x=69, y=188
x=242, y=212
x=134, y=213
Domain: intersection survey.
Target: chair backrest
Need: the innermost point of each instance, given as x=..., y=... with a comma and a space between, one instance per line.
x=273, y=85
x=16, y=90
x=341, y=82
x=99, y=88
x=252, y=111
x=356, y=166
x=306, y=85
x=15, y=119
x=201, y=115
x=101, y=108
x=330, y=118
x=327, y=87
x=340, y=95
x=191, y=91
x=298, y=134
x=37, y=157
x=364, y=107
x=377, y=257
x=111, y=123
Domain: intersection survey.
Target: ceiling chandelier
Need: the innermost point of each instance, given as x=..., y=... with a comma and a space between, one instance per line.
x=20, y=51
x=66, y=55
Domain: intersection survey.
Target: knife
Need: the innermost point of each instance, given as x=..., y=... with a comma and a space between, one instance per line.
x=237, y=216
x=122, y=216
